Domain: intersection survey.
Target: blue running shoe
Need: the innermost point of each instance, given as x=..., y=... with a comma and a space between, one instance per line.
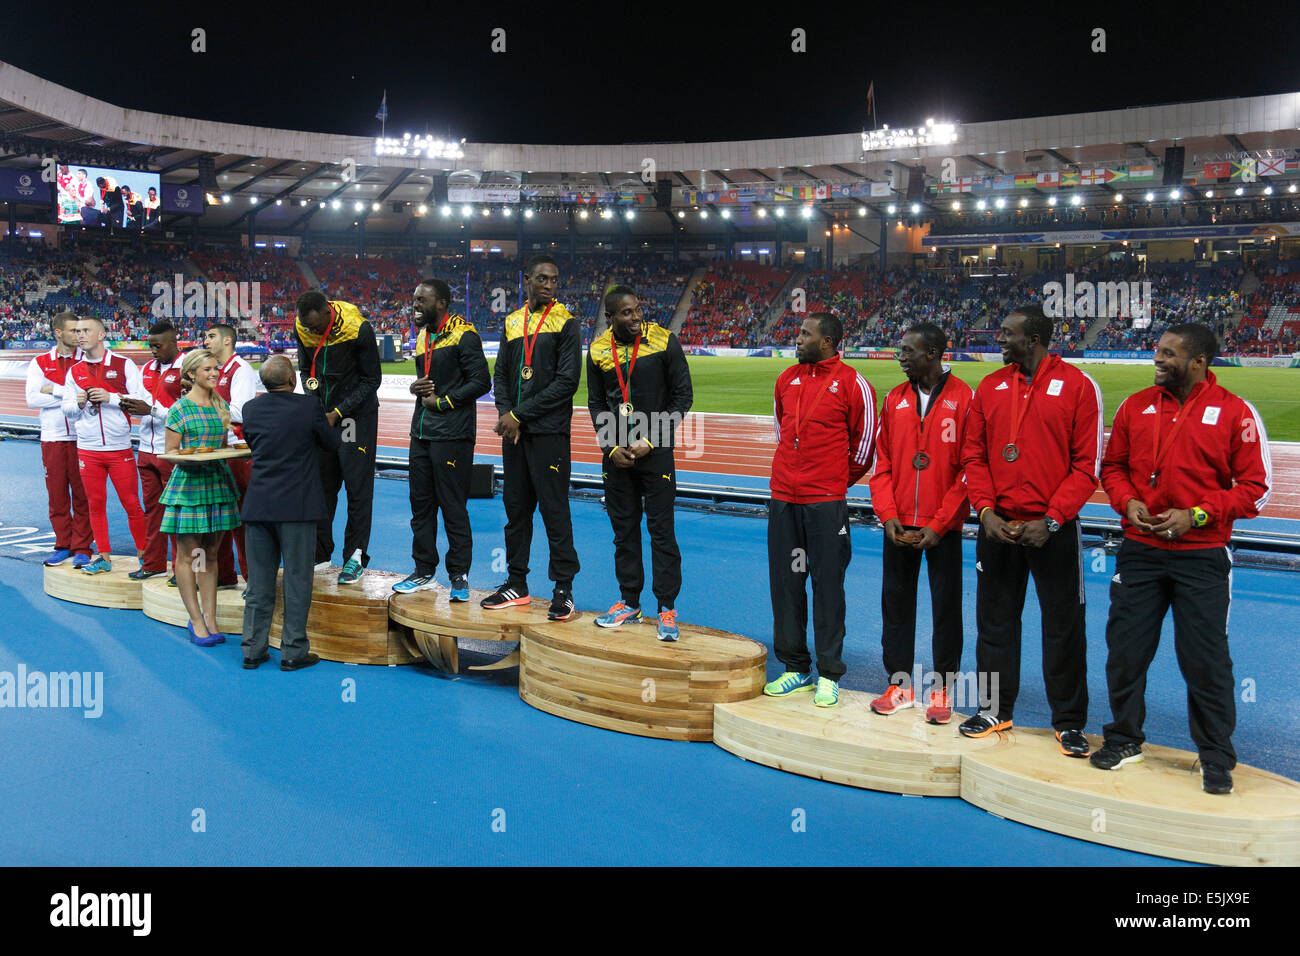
x=100, y=565
x=57, y=558
x=415, y=582
x=619, y=615
x=80, y=560
x=459, y=588
x=791, y=682
x=668, y=630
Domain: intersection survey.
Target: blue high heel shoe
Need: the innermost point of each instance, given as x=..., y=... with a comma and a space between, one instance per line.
x=209, y=641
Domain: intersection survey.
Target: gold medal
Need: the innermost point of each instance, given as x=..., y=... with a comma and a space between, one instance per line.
x=625, y=409
x=526, y=372
x=312, y=384
x=1010, y=452
x=920, y=461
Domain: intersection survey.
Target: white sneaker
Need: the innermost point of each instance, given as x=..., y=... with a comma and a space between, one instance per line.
x=322, y=565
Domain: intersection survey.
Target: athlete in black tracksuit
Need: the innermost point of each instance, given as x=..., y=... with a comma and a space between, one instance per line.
x=451, y=375
x=537, y=370
x=638, y=448
x=337, y=348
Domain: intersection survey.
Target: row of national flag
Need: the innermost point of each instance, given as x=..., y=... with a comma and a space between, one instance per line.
x=1047, y=180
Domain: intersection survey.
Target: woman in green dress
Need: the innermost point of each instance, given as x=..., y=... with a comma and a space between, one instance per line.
x=201, y=500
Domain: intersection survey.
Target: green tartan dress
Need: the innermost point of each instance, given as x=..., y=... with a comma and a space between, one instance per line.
x=201, y=497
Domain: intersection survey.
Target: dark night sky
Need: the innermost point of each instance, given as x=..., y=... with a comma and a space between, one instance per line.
x=611, y=73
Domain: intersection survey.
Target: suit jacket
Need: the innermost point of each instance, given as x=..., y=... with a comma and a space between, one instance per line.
x=286, y=431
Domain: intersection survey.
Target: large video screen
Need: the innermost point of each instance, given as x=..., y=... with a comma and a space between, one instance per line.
x=96, y=196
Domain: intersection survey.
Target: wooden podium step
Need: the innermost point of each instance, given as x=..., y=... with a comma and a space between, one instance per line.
x=163, y=603
x=1154, y=807
x=110, y=589
x=435, y=623
x=349, y=623
x=848, y=743
x=625, y=679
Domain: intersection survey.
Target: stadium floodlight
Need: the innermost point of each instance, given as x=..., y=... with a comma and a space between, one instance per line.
x=704, y=214
x=1051, y=200
x=891, y=209
x=931, y=134
x=335, y=204
x=1024, y=201
x=302, y=202
x=1209, y=194
x=279, y=202
x=582, y=214
x=487, y=211
x=374, y=207
x=981, y=205
x=780, y=213
x=1240, y=191
x=806, y=212
x=916, y=208
x=607, y=214
x=630, y=214
x=1150, y=196
x=862, y=210
x=466, y=211
x=762, y=213
x=225, y=197
x=252, y=200
x=528, y=214
x=505, y=211
x=681, y=214
x=430, y=146
x=1291, y=188
x=956, y=205
x=1000, y=203
x=1119, y=197
x=1175, y=194
x=358, y=206
x=1075, y=200
x=1268, y=190
x=725, y=214
x=423, y=209
x=446, y=211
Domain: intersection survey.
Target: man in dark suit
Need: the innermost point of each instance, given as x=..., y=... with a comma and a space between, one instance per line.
x=284, y=502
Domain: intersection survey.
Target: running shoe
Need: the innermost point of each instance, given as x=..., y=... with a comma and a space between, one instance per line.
x=668, y=630
x=1215, y=778
x=415, y=582
x=459, y=588
x=1073, y=743
x=1113, y=756
x=619, y=615
x=895, y=698
x=351, y=572
x=561, y=605
x=828, y=692
x=939, y=709
x=508, y=595
x=143, y=575
x=80, y=560
x=100, y=565
x=58, y=557
x=790, y=682
x=983, y=724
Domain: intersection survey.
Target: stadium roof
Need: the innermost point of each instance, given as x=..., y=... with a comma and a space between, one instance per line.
x=303, y=169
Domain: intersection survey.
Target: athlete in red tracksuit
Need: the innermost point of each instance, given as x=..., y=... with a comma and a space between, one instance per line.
x=1186, y=458
x=1031, y=454
x=162, y=383
x=92, y=399
x=237, y=384
x=47, y=376
x=918, y=492
x=825, y=420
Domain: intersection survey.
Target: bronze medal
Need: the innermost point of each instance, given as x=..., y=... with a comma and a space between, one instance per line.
x=920, y=461
x=1010, y=452
x=312, y=384
x=625, y=409
x=526, y=372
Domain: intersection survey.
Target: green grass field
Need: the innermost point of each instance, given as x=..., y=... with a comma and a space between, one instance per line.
x=744, y=385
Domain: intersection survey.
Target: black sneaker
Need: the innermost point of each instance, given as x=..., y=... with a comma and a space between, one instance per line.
x=1113, y=756
x=143, y=575
x=171, y=581
x=1216, y=778
x=508, y=595
x=1073, y=743
x=298, y=663
x=983, y=724
x=561, y=605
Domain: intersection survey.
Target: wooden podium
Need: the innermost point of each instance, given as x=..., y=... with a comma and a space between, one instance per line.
x=163, y=603
x=848, y=743
x=349, y=623
x=435, y=622
x=625, y=679
x=110, y=589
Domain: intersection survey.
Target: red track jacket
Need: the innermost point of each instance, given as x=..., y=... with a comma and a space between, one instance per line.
x=1059, y=443
x=934, y=496
x=1218, y=461
x=836, y=436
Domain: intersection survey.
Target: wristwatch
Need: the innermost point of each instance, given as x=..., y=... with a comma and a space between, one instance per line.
x=1053, y=525
x=1199, y=518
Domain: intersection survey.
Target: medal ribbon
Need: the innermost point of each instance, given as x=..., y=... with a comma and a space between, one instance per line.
x=529, y=343
x=800, y=416
x=923, y=421
x=625, y=389
x=1021, y=405
x=1159, y=454
x=321, y=344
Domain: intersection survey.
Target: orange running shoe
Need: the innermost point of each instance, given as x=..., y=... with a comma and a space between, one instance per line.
x=896, y=698
x=939, y=710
